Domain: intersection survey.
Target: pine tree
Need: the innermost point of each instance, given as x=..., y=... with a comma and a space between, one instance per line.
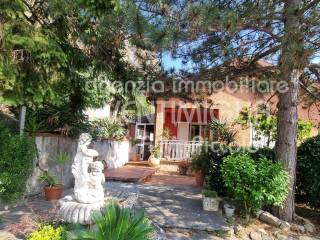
x=212, y=33
x=52, y=50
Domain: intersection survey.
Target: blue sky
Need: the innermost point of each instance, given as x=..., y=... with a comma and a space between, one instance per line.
x=168, y=63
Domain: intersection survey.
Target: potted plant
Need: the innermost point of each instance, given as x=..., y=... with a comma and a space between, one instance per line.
x=52, y=190
x=211, y=201
x=228, y=210
x=183, y=167
x=198, y=166
x=154, y=159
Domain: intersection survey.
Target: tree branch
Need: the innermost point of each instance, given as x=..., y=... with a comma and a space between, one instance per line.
x=309, y=5
x=265, y=53
x=308, y=91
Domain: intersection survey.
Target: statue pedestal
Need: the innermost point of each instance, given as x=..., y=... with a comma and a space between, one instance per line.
x=72, y=211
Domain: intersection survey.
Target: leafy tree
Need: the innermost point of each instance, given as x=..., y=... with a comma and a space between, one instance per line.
x=57, y=53
x=230, y=38
x=265, y=125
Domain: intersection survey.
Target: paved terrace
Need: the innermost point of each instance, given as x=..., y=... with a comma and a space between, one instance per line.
x=173, y=207
x=171, y=201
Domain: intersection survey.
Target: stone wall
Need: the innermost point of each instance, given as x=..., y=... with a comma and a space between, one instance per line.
x=115, y=154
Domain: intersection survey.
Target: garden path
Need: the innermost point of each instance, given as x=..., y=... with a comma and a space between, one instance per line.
x=173, y=207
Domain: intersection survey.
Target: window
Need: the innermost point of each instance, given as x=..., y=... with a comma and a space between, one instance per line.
x=200, y=132
x=205, y=132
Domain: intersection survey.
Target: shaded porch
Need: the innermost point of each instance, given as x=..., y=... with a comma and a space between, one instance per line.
x=181, y=128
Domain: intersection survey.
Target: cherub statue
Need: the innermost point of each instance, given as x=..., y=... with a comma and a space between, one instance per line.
x=87, y=173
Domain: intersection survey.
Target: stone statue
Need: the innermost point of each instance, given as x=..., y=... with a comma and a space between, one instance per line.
x=87, y=173
x=88, y=189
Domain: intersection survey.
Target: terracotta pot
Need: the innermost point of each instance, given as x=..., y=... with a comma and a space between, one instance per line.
x=199, y=178
x=53, y=193
x=135, y=158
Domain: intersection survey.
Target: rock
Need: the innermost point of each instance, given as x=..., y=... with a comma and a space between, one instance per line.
x=259, y=212
x=281, y=237
x=255, y=236
x=238, y=229
x=297, y=228
x=302, y=229
x=294, y=227
x=309, y=227
x=262, y=231
x=228, y=231
x=270, y=219
x=6, y=236
x=285, y=226
x=306, y=238
x=267, y=237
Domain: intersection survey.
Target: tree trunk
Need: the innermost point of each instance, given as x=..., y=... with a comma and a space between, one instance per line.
x=286, y=144
x=291, y=67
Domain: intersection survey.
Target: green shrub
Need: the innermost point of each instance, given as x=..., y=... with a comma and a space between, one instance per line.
x=16, y=163
x=103, y=128
x=254, y=183
x=264, y=153
x=308, y=171
x=209, y=193
x=116, y=223
x=47, y=232
x=209, y=160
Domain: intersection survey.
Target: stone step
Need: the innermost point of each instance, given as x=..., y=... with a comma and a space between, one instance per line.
x=130, y=173
x=138, y=163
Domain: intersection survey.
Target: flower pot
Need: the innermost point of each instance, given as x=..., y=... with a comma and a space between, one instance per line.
x=228, y=210
x=53, y=193
x=183, y=167
x=153, y=161
x=135, y=158
x=211, y=204
x=183, y=170
x=199, y=178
